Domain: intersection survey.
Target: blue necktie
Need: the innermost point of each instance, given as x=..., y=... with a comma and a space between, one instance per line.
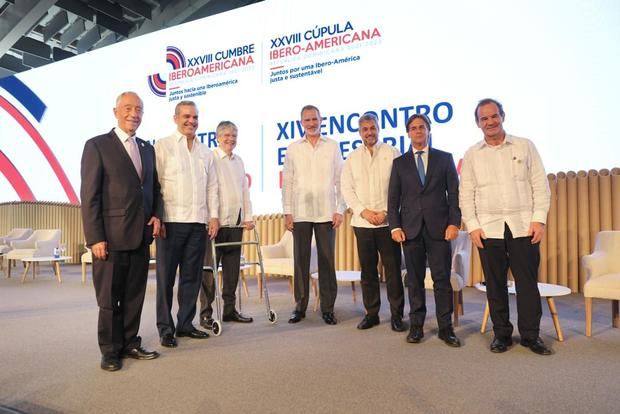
x=421, y=166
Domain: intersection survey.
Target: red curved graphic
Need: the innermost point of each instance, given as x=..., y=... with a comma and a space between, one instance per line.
x=15, y=179
x=45, y=149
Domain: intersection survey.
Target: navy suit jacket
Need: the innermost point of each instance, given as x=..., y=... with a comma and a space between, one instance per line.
x=116, y=202
x=435, y=204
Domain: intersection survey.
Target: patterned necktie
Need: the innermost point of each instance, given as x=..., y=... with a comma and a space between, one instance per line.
x=134, y=154
x=421, y=166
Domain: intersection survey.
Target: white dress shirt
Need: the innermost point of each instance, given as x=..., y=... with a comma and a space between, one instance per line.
x=365, y=180
x=234, y=195
x=501, y=184
x=311, y=181
x=188, y=180
x=129, y=142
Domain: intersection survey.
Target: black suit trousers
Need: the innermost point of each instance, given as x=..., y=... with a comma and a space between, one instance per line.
x=230, y=258
x=371, y=241
x=523, y=258
x=120, y=285
x=439, y=254
x=183, y=248
x=325, y=237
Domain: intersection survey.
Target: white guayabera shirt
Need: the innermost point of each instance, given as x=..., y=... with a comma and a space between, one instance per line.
x=311, y=181
x=501, y=184
x=188, y=180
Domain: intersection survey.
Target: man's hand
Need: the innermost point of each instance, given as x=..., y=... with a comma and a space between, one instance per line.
x=154, y=221
x=336, y=220
x=380, y=218
x=100, y=250
x=249, y=225
x=398, y=236
x=451, y=232
x=376, y=218
x=537, y=231
x=368, y=215
x=214, y=227
x=288, y=222
x=477, y=236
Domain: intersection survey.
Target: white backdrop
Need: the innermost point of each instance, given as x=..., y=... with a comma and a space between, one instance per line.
x=553, y=64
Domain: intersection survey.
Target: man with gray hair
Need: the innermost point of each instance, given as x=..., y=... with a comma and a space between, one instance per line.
x=235, y=214
x=121, y=211
x=189, y=187
x=364, y=184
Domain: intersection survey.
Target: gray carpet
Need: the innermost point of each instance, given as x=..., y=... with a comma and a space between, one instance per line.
x=49, y=361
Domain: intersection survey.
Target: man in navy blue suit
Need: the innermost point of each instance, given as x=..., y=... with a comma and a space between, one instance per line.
x=424, y=215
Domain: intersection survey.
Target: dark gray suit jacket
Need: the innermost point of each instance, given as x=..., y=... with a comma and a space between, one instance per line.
x=436, y=203
x=116, y=203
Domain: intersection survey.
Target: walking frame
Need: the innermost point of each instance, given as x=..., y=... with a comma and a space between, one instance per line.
x=272, y=316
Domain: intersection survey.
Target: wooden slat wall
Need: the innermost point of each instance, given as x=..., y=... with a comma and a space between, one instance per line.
x=582, y=204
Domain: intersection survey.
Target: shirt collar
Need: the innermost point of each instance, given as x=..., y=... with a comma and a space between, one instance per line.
x=321, y=138
x=375, y=147
x=122, y=135
x=425, y=149
x=180, y=136
x=507, y=140
x=221, y=154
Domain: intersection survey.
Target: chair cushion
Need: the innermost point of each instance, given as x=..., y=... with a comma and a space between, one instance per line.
x=604, y=287
x=279, y=266
x=17, y=254
x=5, y=248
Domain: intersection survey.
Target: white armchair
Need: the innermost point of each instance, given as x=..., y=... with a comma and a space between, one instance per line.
x=15, y=234
x=459, y=276
x=40, y=243
x=278, y=258
x=602, y=270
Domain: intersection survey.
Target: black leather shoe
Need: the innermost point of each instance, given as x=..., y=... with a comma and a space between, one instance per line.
x=194, y=333
x=500, y=345
x=296, y=316
x=536, y=345
x=329, y=318
x=207, y=323
x=448, y=336
x=237, y=317
x=169, y=341
x=416, y=333
x=139, y=353
x=111, y=362
x=368, y=322
x=398, y=325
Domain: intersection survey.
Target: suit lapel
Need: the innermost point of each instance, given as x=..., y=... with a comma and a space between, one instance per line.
x=432, y=165
x=126, y=159
x=142, y=150
x=413, y=167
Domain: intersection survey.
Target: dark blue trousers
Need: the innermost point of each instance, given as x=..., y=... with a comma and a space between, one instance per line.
x=183, y=248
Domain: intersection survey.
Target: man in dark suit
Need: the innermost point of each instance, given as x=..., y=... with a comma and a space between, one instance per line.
x=121, y=206
x=424, y=215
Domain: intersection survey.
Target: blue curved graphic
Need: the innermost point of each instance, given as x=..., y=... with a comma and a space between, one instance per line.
x=25, y=96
